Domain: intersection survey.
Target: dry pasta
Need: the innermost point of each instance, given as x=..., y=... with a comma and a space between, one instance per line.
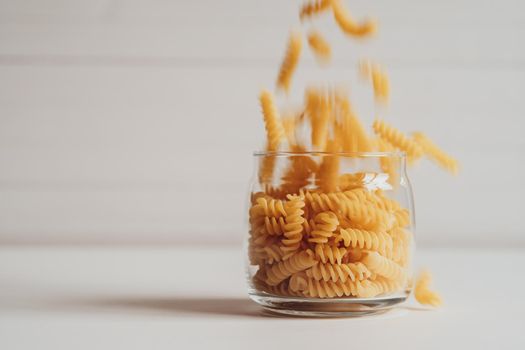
x=423, y=293
x=313, y=7
x=348, y=24
x=290, y=61
x=379, y=79
x=397, y=139
x=434, y=153
x=317, y=230
x=319, y=46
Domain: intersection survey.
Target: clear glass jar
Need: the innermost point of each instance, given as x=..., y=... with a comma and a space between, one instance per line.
x=329, y=234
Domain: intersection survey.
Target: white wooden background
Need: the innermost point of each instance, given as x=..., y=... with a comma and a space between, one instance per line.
x=134, y=121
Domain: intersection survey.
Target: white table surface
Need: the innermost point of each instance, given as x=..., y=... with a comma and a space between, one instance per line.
x=194, y=297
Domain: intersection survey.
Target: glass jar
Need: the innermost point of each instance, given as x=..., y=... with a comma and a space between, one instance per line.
x=329, y=234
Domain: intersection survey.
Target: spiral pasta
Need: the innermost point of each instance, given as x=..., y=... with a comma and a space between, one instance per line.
x=397, y=139
x=320, y=202
x=367, y=216
x=347, y=23
x=330, y=289
x=320, y=47
x=294, y=225
x=423, y=293
x=329, y=254
x=327, y=176
x=274, y=226
x=325, y=225
x=272, y=121
x=284, y=269
x=356, y=238
x=384, y=267
x=313, y=7
x=268, y=207
x=379, y=79
x=290, y=61
x=334, y=272
x=352, y=181
x=434, y=153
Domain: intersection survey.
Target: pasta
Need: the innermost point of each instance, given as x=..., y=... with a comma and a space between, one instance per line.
x=434, y=153
x=330, y=289
x=333, y=272
x=380, y=81
x=378, y=241
x=331, y=254
x=272, y=121
x=319, y=46
x=328, y=173
x=290, y=61
x=314, y=7
x=348, y=25
x=284, y=269
x=324, y=224
x=423, y=293
x=397, y=139
x=384, y=267
x=294, y=225
x=268, y=207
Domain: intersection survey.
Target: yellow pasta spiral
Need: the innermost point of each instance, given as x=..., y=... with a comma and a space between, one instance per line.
x=347, y=23
x=326, y=253
x=298, y=282
x=378, y=286
x=352, y=181
x=325, y=225
x=328, y=174
x=331, y=272
x=423, y=293
x=401, y=250
x=268, y=207
x=435, y=153
x=397, y=139
x=299, y=172
x=298, y=262
x=330, y=289
x=353, y=134
x=384, y=267
x=282, y=288
x=367, y=216
x=290, y=61
x=274, y=192
x=379, y=78
x=273, y=253
x=274, y=226
x=319, y=113
x=388, y=165
x=320, y=202
x=313, y=7
x=356, y=238
x=293, y=229
x=319, y=46
x=402, y=218
x=272, y=121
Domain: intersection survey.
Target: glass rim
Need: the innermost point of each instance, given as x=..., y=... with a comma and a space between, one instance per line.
x=374, y=154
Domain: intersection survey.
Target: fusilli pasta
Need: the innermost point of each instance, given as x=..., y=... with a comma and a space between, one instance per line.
x=290, y=61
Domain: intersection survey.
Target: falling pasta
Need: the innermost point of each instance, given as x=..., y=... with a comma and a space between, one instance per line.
x=316, y=229
x=290, y=61
x=348, y=24
x=314, y=7
x=319, y=46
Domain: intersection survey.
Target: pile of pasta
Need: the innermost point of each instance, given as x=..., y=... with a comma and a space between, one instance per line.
x=316, y=231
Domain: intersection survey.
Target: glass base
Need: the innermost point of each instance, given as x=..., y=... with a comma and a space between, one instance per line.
x=336, y=307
